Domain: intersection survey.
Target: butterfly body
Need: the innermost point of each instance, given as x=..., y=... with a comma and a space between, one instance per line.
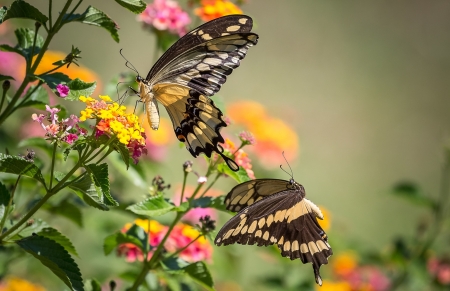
x=273, y=211
x=188, y=73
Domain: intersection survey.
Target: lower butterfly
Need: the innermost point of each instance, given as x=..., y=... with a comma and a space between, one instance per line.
x=188, y=73
x=273, y=211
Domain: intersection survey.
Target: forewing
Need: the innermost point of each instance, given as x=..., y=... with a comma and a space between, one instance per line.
x=205, y=67
x=284, y=219
x=249, y=192
x=215, y=28
x=196, y=120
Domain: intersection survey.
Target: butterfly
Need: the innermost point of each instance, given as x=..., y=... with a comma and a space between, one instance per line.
x=273, y=211
x=188, y=73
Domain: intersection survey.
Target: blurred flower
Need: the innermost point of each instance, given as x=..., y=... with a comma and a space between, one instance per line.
x=12, y=64
x=273, y=135
x=18, y=284
x=345, y=263
x=63, y=90
x=240, y=157
x=247, y=138
x=439, y=269
x=158, y=140
x=334, y=286
x=187, y=166
x=112, y=120
x=181, y=236
x=325, y=223
x=165, y=15
x=212, y=9
x=202, y=180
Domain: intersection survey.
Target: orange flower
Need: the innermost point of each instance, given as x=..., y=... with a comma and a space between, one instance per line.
x=241, y=158
x=212, y=9
x=158, y=140
x=334, y=286
x=325, y=223
x=18, y=284
x=272, y=134
x=345, y=263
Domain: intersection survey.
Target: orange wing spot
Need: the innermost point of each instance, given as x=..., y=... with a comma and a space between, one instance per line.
x=181, y=138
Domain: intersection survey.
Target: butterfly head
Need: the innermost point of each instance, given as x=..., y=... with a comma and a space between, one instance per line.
x=139, y=79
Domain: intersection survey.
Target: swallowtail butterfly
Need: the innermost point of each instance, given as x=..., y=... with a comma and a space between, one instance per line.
x=273, y=211
x=188, y=73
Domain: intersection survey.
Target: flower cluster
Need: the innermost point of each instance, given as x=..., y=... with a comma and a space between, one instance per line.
x=240, y=157
x=112, y=120
x=66, y=130
x=165, y=15
x=212, y=9
x=353, y=277
x=18, y=284
x=182, y=235
x=255, y=118
x=439, y=269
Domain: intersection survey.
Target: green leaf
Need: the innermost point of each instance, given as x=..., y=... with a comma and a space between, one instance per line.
x=240, y=176
x=99, y=174
x=131, y=174
x=55, y=235
x=200, y=273
x=55, y=257
x=79, y=88
x=37, y=142
x=54, y=79
x=66, y=209
x=93, y=16
x=3, y=78
x=210, y=202
x=38, y=99
x=152, y=207
x=4, y=200
x=21, y=9
x=86, y=190
x=35, y=227
x=411, y=191
x=174, y=265
x=20, y=166
x=3, y=11
x=25, y=39
x=92, y=285
x=114, y=240
x=135, y=6
x=124, y=153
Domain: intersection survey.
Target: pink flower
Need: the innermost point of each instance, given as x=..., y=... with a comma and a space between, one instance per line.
x=137, y=149
x=440, y=269
x=71, y=137
x=53, y=111
x=63, y=90
x=39, y=118
x=52, y=129
x=247, y=138
x=165, y=15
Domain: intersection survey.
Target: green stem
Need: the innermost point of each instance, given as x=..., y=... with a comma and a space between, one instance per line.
x=210, y=185
x=184, y=186
x=32, y=48
x=3, y=99
x=50, y=25
x=183, y=248
x=52, y=70
x=101, y=150
x=75, y=8
x=5, y=215
x=55, y=146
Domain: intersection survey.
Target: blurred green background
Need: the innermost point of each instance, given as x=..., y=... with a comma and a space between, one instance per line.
x=365, y=84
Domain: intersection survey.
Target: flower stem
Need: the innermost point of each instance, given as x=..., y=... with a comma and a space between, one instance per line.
x=210, y=185
x=11, y=199
x=183, y=248
x=184, y=187
x=52, y=70
x=55, y=146
x=50, y=25
x=33, y=47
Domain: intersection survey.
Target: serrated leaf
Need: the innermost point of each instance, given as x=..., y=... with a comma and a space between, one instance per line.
x=35, y=227
x=55, y=257
x=411, y=191
x=25, y=39
x=55, y=235
x=4, y=78
x=99, y=174
x=4, y=200
x=21, y=9
x=135, y=6
x=92, y=285
x=114, y=240
x=65, y=208
x=152, y=207
x=93, y=16
x=200, y=273
x=54, y=79
x=79, y=88
x=20, y=166
x=240, y=176
x=86, y=190
x=210, y=202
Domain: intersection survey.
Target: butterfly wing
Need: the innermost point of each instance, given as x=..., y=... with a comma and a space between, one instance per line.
x=285, y=219
x=249, y=192
x=196, y=120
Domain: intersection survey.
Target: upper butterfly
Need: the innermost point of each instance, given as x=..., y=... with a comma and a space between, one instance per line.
x=191, y=70
x=273, y=211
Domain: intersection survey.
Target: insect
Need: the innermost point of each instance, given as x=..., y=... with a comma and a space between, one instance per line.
x=188, y=73
x=273, y=211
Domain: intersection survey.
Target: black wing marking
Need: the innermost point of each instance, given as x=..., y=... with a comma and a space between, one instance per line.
x=285, y=219
x=249, y=192
x=212, y=29
x=196, y=120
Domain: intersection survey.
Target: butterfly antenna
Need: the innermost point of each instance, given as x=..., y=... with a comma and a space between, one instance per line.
x=281, y=167
x=128, y=63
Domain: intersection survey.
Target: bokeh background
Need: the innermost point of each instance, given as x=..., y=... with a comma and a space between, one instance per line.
x=363, y=84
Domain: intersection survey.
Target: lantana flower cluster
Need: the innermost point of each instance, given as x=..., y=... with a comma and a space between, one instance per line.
x=112, y=120
x=181, y=236
x=212, y=9
x=239, y=155
x=66, y=130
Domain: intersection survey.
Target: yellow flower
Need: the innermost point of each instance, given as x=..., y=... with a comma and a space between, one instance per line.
x=151, y=226
x=212, y=9
x=192, y=233
x=334, y=286
x=18, y=284
x=105, y=98
x=345, y=263
x=325, y=223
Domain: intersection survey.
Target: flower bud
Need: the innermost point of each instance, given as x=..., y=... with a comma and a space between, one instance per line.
x=187, y=166
x=6, y=85
x=37, y=25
